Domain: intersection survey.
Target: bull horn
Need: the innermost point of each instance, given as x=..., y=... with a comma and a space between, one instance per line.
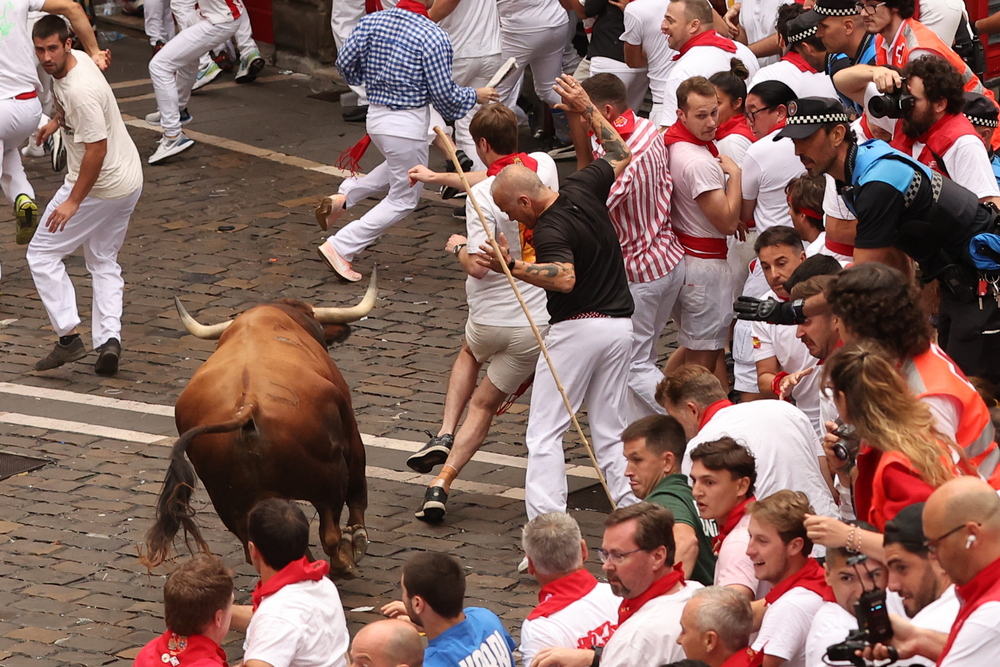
x=209, y=332
x=354, y=313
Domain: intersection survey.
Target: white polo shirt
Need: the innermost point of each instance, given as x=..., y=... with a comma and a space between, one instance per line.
x=642, y=28
x=803, y=84
x=767, y=168
x=301, y=625
x=782, y=441
x=587, y=622
x=649, y=637
x=786, y=626
x=701, y=61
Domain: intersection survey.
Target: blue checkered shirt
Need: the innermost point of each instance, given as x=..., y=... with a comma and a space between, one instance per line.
x=403, y=60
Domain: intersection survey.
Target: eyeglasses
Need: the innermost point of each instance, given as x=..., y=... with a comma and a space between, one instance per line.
x=752, y=115
x=932, y=545
x=617, y=559
x=869, y=9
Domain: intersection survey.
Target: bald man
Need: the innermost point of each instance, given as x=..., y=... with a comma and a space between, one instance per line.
x=387, y=644
x=578, y=262
x=962, y=529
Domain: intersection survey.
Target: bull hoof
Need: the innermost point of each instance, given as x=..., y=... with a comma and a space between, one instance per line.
x=360, y=540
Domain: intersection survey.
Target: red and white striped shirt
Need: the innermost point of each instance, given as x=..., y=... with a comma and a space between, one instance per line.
x=639, y=204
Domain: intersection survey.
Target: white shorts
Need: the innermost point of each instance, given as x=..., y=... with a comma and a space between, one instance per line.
x=741, y=253
x=744, y=367
x=705, y=306
x=511, y=351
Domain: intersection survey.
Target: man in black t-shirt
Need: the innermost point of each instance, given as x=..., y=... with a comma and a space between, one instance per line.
x=578, y=261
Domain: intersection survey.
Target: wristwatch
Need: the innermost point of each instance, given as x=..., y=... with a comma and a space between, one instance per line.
x=458, y=248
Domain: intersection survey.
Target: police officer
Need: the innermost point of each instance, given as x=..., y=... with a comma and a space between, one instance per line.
x=904, y=210
x=983, y=116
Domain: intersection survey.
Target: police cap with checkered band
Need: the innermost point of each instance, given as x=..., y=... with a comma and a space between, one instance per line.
x=808, y=114
x=979, y=110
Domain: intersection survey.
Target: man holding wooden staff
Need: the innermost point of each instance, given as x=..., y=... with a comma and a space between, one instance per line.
x=578, y=262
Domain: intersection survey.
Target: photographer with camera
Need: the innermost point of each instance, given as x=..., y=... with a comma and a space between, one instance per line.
x=964, y=518
x=922, y=109
x=859, y=585
x=904, y=211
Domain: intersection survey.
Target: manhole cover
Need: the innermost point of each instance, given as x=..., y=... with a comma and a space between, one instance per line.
x=11, y=464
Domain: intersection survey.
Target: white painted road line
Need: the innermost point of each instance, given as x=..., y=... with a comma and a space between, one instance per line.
x=86, y=399
x=81, y=427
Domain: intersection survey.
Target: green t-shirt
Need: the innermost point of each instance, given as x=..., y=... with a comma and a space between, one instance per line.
x=674, y=493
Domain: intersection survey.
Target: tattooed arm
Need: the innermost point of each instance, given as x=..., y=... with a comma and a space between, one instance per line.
x=554, y=276
x=576, y=100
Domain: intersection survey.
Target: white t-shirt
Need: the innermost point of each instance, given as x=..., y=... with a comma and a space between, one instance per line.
x=474, y=28
x=832, y=624
x=803, y=84
x=586, y=622
x=17, y=53
x=939, y=615
x=642, y=28
x=786, y=626
x=531, y=15
x=88, y=112
x=701, y=61
x=978, y=642
x=833, y=204
x=783, y=442
x=816, y=245
x=733, y=566
x=760, y=18
x=694, y=171
x=942, y=17
x=491, y=300
x=649, y=637
x=734, y=146
x=779, y=341
x=967, y=162
x=302, y=625
x=767, y=168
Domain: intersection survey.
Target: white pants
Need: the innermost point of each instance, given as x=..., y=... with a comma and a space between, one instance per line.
x=741, y=253
x=18, y=119
x=158, y=21
x=174, y=69
x=654, y=301
x=591, y=357
x=542, y=51
x=570, y=57
x=344, y=15
x=635, y=79
x=400, y=155
x=99, y=225
x=474, y=73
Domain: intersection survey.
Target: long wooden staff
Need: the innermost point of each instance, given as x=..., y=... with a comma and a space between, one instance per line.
x=446, y=142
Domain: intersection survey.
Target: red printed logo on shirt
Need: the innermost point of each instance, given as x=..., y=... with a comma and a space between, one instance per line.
x=599, y=636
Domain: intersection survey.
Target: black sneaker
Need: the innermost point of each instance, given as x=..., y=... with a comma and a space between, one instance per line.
x=464, y=160
x=62, y=355
x=448, y=192
x=107, y=357
x=435, y=452
x=433, y=508
x=458, y=212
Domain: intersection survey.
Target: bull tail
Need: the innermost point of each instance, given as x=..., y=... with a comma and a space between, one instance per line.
x=173, y=509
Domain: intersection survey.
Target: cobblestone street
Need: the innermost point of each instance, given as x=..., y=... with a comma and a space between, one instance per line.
x=72, y=591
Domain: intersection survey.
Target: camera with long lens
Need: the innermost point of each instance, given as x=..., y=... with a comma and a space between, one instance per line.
x=874, y=626
x=896, y=104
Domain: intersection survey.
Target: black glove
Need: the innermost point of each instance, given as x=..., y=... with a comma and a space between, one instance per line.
x=769, y=310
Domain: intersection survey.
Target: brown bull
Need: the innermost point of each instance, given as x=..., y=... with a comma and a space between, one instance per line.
x=269, y=415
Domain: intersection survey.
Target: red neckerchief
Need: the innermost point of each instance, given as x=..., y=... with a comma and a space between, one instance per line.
x=372, y=6
x=937, y=140
x=745, y=658
x=707, y=38
x=735, y=516
x=777, y=126
x=522, y=159
x=293, y=573
x=564, y=591
x=710, y=411
x=413, y=6
x=659, y=587
x=984, y=587
x=735, y=125
x=624, y=124
x=678, y=133
x=170, y=646
x=810, y=577
x=797, y=60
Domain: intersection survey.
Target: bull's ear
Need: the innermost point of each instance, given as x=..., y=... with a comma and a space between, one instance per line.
x=336, y=333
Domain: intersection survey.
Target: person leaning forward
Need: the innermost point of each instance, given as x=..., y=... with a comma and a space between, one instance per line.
x=579, y=264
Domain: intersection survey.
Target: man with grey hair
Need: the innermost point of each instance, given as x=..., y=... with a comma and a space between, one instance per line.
x=578, y=262
x=716, y=626
x=574, y=610
x=391, y=643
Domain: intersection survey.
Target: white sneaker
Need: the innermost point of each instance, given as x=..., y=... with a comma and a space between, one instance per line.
x=33, y=149
x=154, y=118
x=249, y=67
x=522, y=567
x=170, y=146
x=206, y=76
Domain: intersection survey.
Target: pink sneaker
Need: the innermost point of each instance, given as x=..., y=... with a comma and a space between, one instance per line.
x=330, y=209
x=337, y=264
